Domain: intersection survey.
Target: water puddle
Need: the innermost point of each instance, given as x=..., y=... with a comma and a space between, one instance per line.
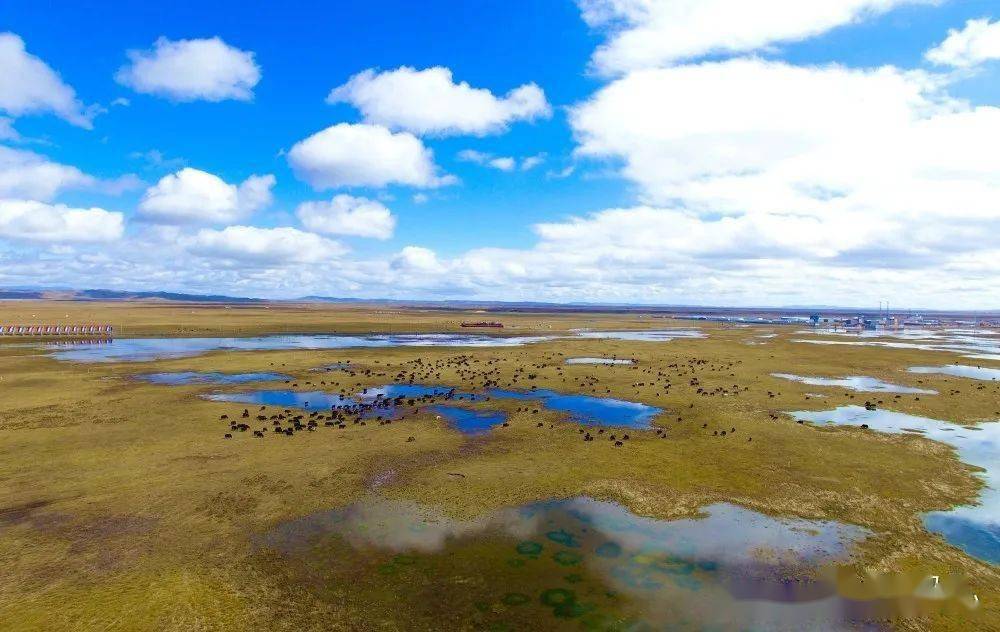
x=144, y=349
x=648, y=335
x=583, y=564
x=855, y=383
x=972, y=343
x=196, y=377
x=598, y=361
x=586, y=409
x=387, y=401
x=974, y=529
x=470, y=421
x=960, y=370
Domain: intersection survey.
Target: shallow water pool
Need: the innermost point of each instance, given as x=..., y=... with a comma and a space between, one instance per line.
x=579, y=562
x=199, y=377
x=144, y=349
x=960, y=370
x=611, y=361
x=855, y=383
x=975, y=529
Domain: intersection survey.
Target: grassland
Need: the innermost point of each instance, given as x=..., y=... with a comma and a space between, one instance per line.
x=122, y=506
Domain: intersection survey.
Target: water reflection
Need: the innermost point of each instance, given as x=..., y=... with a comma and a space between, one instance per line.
x=855, y=383
x=198, y=377
x=975, y=529
x=468, y=420
x=587, y=409
x=971, y=342
x=384, y=401
x=596, y=564
x=143, y=349
x=646, y=335
x=960, y=370
x=598, y=361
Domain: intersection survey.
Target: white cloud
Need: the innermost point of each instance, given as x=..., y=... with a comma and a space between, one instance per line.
x=33, y=221
x=264, y=246
x=25, y=174
x=754, y=136
x=762, y=161
x=503, y=163
x=500, y=163
x=420, y=198
x=650, y=33
x=194, y=196
x=348, y=215
x=189, y=70
x=473, y=155
x=530, y=162
x=7, y=131
x=430, y=102
x=979, y=41
x=28, y=86
x=364, y=155
x=155, y=159
x=417, y=259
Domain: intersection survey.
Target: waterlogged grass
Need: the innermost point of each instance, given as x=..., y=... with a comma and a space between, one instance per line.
x=123, y=507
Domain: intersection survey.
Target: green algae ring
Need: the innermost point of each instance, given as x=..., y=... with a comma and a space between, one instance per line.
x=563, y=537
x=529, y=548
x=515, y=599
x=567, y=558
x=558, y=596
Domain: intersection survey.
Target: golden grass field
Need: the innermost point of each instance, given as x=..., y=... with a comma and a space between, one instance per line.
x=123, y=508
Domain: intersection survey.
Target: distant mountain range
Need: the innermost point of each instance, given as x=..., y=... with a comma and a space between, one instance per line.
x=68, y=294
x=119, y=295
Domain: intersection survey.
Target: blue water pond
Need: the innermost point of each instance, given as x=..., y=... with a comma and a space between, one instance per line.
x=960, y=370
x=144, y=349
x=855, y=383
x=197, y=377
x=717, y=571
x=583, y=409
x=974, y=529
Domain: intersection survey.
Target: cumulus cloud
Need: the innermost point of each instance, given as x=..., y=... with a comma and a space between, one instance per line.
x=978, y=42
x=417, y=259
x=193, y=196
x=33, y=221
x=348, y=215
x=7, y=131
x=650, y=33
x=25, y=174
x=364, y=155
x=29, y=86
x=749, y=136
x=500, y=163
x=264, y=246
x=430, y=102
x=189, y=70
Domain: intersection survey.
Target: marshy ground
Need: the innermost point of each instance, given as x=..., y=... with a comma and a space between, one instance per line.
x=124, y=506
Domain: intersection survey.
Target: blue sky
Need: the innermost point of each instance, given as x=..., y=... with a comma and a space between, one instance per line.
x=679, y=152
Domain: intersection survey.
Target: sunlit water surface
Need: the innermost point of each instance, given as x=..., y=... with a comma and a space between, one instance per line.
x=974, y=528
x=959, y=370
x=585, y=561
x=584, y=409
x=211, y=377
x=144, y=349
x=855, y=383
